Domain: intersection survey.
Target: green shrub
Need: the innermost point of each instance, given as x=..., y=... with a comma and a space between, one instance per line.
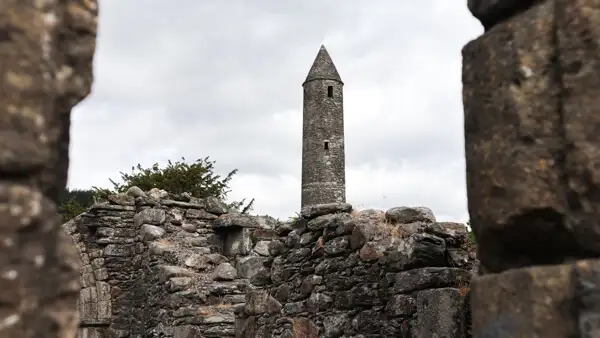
x=198, y=179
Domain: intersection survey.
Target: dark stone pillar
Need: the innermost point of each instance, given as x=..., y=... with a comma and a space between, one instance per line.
x=46, y=51
x=532, y=141
x=530, y=91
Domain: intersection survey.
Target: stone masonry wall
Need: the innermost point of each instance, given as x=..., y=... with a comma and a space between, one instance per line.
x=342, y=273
x=163, y=265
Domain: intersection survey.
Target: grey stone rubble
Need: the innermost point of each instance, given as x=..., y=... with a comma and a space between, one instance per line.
x=159, y=265
x=342, y=273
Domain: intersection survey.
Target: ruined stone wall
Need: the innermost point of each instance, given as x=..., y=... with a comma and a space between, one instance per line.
x=342, y=273
x=163, y=265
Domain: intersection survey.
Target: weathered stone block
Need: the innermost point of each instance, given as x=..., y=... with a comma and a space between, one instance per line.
x=328, y=221
x=299, y=327
x=406, y=215
x=527, y=302
x=439, y=313
x=491, y=12
x=236, y=241
x=429, y=278
x=151, y=232
x=262, y=248
x=150, y=216
x=578, y=58
x=122, y=199
x=225, y=271
x=530, y=136
x=179, y=283
x=104, y=309
x=186, y=331
x=199, y=214
x=449, y=230
x=214, y=205
x=423, y=250
x=103, y=291
x=118, y=250
x=247, y=267
x=546, y=301
x=401, y=306
x=135, y=192
x=312, y=211
x=260, y=302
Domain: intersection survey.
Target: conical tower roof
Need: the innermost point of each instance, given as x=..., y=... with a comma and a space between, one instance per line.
x=323, y=68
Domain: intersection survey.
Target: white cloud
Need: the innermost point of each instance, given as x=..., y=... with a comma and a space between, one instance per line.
x=223, y=79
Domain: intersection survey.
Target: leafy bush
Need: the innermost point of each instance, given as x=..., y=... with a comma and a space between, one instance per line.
x=74, y=202
x=472, y=237
x=198, y=179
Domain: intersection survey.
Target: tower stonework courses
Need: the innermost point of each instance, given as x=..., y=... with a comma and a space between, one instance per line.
x=323, y=155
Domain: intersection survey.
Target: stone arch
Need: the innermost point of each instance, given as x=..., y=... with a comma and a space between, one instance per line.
x=94, y=302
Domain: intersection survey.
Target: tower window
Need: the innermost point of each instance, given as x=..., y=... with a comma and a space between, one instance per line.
x=326, y=145
x=330, y=91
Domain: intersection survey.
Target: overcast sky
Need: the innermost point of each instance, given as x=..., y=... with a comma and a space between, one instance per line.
x=223, y=79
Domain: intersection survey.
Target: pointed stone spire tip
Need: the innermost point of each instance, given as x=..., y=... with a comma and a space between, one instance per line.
x=323, y=67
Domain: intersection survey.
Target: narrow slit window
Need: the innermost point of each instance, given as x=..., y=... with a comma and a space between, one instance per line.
x=326, y=145
x=330, y=91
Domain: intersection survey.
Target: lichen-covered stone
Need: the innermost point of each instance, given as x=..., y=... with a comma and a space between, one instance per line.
x=46, y=53
x=151, y=232
x=225, y=271
x=438, y=314
x=214, y=206
x=405, y=215
x=135, y=192
x=530, y=137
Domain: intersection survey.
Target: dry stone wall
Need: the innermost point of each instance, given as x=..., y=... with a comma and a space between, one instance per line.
x=341, y=273
x=163, y=265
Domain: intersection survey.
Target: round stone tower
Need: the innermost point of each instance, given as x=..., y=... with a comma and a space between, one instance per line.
x=323, y=155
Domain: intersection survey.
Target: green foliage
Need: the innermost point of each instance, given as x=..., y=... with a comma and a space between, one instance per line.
x=82, y=196
x=198, y=179
x=74, y=202
x=71, y=209
x=472, y=239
